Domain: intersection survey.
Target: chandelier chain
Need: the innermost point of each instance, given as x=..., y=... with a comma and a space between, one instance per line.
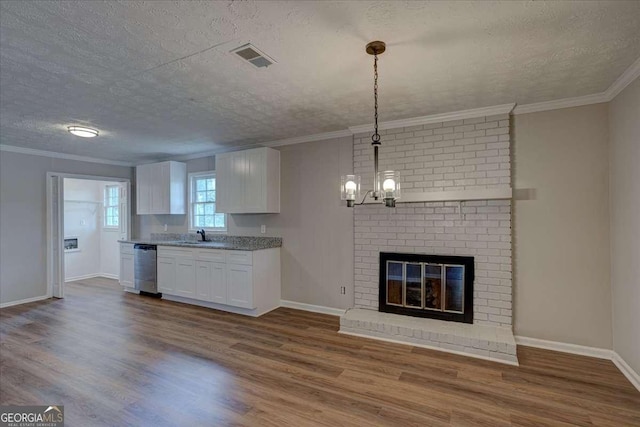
x=376, y=136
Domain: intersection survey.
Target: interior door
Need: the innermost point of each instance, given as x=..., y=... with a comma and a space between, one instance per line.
x=55, y=197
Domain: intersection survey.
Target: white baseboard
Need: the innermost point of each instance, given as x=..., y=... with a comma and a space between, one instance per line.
x=83, y=277
x=91, y=276
x=626, y=370
x=313, y=308
x=600, y=353
x=24, y=301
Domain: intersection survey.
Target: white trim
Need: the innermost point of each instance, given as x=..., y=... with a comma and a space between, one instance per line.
x=626, y=370
x=308, y=138
x=452, y=196
x=200, y=155
x=555, y=104
x=24, y=301
x=437, y=118
x=430, y=347
x=313, y=308
x=91, y=276
x=625, y=79
x=600, y=353
x=581, y=350
x=55, y=155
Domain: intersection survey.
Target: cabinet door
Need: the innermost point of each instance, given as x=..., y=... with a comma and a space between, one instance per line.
x=203, y=280
x=219, y=282
x=143, y=189
x=159, y=188
x=240, y=286
x=235, y=189
x=185, y=284
x=126, y=270
x=223, y=176
x=166, y=275
x=254, y=181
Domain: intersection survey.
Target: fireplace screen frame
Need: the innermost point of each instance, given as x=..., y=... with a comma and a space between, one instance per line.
x=467, y=263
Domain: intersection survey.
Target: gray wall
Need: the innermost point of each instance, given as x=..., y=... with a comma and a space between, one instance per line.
x=23, y=202
x=317, y=231
x=562, y=288
x=624, y=161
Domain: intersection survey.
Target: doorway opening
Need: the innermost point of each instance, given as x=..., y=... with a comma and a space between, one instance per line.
x=87, y=215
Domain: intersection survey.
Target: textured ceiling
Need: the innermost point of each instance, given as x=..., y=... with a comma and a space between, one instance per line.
x=157, y=78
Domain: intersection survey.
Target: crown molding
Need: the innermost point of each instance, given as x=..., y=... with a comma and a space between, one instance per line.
x=626, y=78
x=555, y=104
x=308, y=138
x=55, y=155
x=437, y=118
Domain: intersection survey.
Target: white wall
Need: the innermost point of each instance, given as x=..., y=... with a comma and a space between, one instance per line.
x=562, y=288
x=317, y=230
x=624, y=168
x=23, y=230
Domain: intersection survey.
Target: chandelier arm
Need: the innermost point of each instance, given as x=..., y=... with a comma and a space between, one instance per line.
x=364, y=198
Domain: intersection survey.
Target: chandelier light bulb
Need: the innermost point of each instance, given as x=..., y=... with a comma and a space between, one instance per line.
x=389, y=185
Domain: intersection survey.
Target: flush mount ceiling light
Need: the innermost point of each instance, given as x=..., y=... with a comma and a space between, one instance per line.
x=83, y=132
x=386, y=184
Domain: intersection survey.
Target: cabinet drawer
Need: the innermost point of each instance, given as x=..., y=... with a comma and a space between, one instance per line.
x=171, y=251
x=240, y=257
x=214, y=255
x=126, y=248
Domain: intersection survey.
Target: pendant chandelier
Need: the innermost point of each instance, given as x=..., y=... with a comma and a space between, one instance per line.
x=386, y=184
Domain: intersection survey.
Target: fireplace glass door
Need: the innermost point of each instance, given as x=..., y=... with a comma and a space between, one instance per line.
x=426, y=286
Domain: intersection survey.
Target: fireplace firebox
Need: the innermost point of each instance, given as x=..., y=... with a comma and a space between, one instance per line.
x=435, y=286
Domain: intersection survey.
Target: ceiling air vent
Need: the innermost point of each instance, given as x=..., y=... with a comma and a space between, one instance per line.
x=251, y=54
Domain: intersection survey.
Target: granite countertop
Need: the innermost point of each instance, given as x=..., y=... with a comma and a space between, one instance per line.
x=236, y=243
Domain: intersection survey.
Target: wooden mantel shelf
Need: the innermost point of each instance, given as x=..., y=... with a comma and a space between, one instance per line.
x=452, y=196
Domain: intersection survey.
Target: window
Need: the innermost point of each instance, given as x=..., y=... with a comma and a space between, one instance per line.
x=202, y=203
x=111, y=206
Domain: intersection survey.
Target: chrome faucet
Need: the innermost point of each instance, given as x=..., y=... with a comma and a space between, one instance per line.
x=202, y=233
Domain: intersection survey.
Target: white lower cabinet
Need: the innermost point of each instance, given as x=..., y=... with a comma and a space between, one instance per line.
x=211, y=283
x=240, y=285
x=185, y=277
x=221, y=277
x=166, y=274
x=126, y=265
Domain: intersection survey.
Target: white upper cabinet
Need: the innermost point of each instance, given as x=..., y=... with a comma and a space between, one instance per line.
x=248, y=181
x=161, y=188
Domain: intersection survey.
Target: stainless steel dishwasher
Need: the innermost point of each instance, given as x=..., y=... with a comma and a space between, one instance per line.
x=145, y=273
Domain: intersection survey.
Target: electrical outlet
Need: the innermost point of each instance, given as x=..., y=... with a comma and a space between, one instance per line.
x=263, y=229
x=343, y=290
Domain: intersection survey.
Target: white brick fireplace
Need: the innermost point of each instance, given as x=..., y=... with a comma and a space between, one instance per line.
x=470, y=155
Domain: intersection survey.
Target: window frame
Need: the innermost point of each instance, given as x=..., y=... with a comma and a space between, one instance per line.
x=105, y=207
x=190, y=199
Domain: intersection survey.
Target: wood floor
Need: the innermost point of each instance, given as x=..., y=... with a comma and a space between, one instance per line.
x=119, y=359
